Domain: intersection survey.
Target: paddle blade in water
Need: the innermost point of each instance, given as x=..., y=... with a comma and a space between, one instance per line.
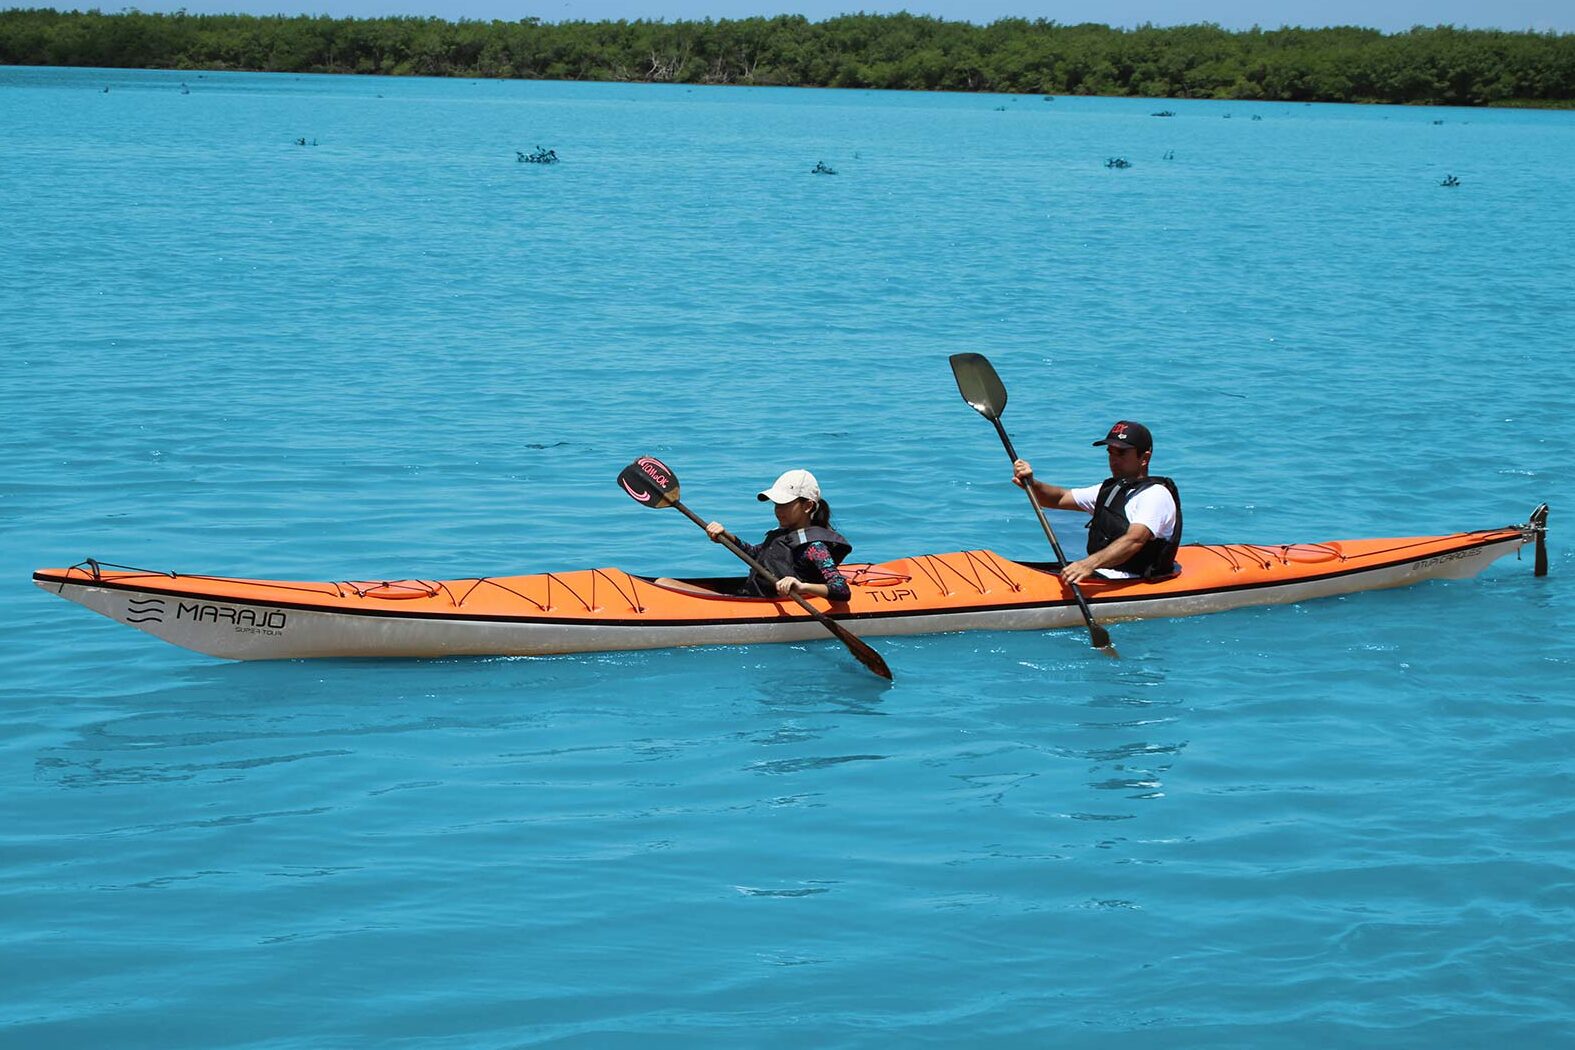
x=860, y=649
x=979, y=385
x=650, y=481
x=1099, y=638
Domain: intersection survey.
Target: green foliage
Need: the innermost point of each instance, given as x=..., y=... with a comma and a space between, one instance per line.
x=1440, y=65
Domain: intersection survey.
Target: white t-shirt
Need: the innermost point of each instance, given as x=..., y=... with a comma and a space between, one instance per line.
x=1153, y=507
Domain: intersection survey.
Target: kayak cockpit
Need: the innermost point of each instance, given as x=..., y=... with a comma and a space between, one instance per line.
x=710, y=588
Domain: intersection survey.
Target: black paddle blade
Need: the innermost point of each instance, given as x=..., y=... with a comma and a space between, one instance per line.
x=979, y=385
x=1539, y=521
x=650, y=481
x=860, y=649
x=1099, y=638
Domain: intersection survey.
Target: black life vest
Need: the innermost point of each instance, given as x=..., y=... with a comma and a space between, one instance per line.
x=781, y=554
x=1157, y=557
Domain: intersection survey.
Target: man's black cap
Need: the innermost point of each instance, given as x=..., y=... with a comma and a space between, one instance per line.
x=1127, y=434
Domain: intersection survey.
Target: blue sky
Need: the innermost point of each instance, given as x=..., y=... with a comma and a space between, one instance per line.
x=1233, y=14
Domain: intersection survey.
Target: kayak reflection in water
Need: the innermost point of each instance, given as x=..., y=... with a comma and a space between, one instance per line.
x=802, y=552
x=1136, y=523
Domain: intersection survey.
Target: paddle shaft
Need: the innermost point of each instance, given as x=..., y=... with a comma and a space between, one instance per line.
x=861, y=649
x=1097, y=634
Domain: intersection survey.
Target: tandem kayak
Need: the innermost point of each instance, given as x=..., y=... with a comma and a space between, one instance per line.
x=595, y=610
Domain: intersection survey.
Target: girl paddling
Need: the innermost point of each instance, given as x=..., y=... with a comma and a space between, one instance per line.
x=802, y=552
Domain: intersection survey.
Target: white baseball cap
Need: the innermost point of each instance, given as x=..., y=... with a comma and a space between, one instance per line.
x=795, y=484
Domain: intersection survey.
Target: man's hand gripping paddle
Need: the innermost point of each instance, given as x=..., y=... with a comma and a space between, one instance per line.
x=650, y=481
x=982, y=389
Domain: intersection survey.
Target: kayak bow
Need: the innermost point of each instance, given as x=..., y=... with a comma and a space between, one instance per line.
x=609, y=609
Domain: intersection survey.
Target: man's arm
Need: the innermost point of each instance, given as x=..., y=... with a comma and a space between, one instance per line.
x=1124, y=547
x=1053, y=497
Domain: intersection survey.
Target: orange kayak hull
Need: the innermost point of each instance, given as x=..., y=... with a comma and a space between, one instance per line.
x=608, y=609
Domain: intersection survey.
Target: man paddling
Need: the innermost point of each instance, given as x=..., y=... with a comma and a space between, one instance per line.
x=1136, y=523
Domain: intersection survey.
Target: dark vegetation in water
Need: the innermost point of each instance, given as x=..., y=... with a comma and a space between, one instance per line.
x=540, y=156
x=1441, y=65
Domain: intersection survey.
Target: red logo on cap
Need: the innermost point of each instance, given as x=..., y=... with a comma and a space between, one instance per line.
x=1119, y=430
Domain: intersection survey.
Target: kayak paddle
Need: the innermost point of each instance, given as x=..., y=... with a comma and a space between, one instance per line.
x=1539, y=521
x=650, y=481
x=982, y=389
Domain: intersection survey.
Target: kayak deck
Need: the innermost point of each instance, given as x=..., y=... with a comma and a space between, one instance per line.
x=610, y=609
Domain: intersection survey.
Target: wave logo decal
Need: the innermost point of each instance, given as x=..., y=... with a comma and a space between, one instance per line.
x=145, y=610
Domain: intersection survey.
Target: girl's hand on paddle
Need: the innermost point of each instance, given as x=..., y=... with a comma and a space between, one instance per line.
x=1022, y=470
x=789, y=585
x=715, y=531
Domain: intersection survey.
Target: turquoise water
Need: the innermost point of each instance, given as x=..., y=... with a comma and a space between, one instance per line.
x=400, y=352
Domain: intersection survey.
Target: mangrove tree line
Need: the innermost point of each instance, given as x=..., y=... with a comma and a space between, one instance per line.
x=1424, y=65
